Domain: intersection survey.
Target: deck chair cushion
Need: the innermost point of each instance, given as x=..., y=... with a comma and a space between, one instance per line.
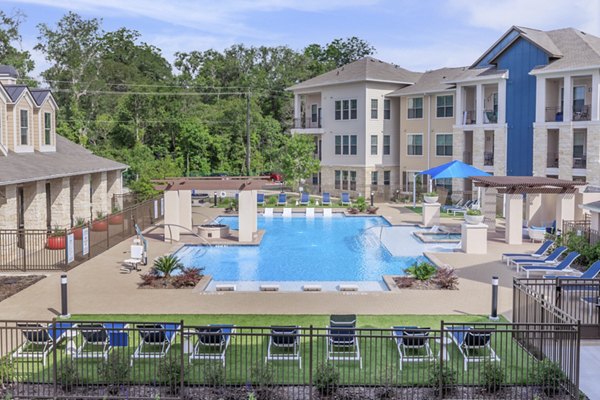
x=284, y=335
x=210, y=336
x=152, y=333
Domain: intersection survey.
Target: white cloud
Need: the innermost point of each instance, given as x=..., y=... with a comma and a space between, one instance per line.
x=540, y=14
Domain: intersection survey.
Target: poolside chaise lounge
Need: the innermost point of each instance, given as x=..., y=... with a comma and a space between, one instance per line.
x=538, y=253
x=346, y=199
x=155, y=341
x=304, y=199
x=591, y=273
x=473, y=344
x=536, y=234
x=284, y=344
x=40, y=340
x=282, y=199
x=326, y=199
x=99, y=339
x=551, y=259
x=260, y=199
x=412, y=343
x=342, y=341
x=563, y=266
x=212, y=343
x=458, y=204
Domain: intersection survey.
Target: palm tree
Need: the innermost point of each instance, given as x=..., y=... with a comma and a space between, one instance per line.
x=166, y=265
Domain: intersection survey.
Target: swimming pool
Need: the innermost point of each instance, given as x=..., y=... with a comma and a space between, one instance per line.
x=298, y=249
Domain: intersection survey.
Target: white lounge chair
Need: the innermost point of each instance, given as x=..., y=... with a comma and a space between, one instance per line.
x=284, y=344
x=136, y=257
x=155, y=341
x=412, y=343
x=212, y=343
x=473, y=344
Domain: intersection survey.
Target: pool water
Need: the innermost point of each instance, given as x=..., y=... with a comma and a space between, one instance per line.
x=339, y=248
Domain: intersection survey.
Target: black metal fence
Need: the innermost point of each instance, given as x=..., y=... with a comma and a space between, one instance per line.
x=174, y=360
x=582, y=228
x=38, y=250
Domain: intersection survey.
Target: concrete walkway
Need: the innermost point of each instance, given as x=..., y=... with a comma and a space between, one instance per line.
x=98, y=287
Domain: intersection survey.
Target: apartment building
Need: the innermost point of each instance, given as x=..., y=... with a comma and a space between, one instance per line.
x=354, y=125
x=46, y=180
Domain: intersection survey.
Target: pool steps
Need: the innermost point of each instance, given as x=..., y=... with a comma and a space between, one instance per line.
x=311, y=288
x=225, y=288
x=269, y=288
x=348, y=288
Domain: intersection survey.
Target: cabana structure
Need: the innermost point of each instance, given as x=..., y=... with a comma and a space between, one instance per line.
x=547, y=199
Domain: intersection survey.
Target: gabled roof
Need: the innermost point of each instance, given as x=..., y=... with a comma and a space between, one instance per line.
x=15, y=91
x=579, y=50
x=39, y=95
x=8, y=70
x=69, y=159
x=473, y=74
x=541, y=39
x=438, y=80
x=365, y=69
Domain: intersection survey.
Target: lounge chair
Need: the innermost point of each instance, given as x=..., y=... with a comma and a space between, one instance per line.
x=342, y=341
x=458, y=204
x=536, y=234
x=551, y=259
x=212, y=343
x=537, y=254
x=40, y=340
x=412, y=343
x=260, y=199
x=591, y=273
x=346, y=199
x=473, y=344
x=282, y=199
x=326, y=199
x=284, y=344
x=461, y=209
x=99, y=339
x=563, y=266
x=304, y=199
x=155, y=340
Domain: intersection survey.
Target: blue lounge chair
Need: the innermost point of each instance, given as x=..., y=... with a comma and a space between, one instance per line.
x=538, y=253
x=326, y=199
x=346, y=199
x=284, y=344
x=282, y=199
x=342, y=341
x=591, y=273
x=458, y=204
x=155, y=340
x=40, y=340
x=412, y=343
x=260, y=199
x=564, y=265
x=552, y=259
x=212, y=343
x=99, y=339
x=304, y=199
x=473, y=344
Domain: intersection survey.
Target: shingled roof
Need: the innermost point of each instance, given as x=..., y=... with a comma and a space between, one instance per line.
x=39, y=95
x=438, y=80
x=8, y=70
x=578, y=50
x=365, y=69
x=14, y=91
x=69, y=159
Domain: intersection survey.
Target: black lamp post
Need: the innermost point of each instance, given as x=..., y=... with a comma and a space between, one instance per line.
x=215, y=198
x=372, y=195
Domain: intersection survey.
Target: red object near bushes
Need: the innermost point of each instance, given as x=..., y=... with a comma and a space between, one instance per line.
x=116, y=219
x=56, y=242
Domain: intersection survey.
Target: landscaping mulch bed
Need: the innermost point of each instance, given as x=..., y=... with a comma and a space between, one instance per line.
x=10, y=285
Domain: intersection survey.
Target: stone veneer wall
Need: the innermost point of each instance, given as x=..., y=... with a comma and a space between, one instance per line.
x=8, y=210
x=115, y=186
x=593, y=155
x=80, y=196
x=34, y=199
x=540, y=151
x=565, y=153
x=500, y=151
x=61, y=202
x=99, y=194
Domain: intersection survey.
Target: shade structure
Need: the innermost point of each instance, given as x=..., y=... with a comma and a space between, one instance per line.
x=453, y=169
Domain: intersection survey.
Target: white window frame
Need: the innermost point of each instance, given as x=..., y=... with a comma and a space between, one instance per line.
x=387, y=110
x=445, y=106
x=389, y=145
x=389, y=180
x=436, y=144
x=314, y=114
x=408, y=136
x=374, y=146
x=375, y=174
x=375, y=108
x=408, y=107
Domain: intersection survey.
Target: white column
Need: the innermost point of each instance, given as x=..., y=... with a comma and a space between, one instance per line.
x=171, y=215
x=459, y=106
x=502, y=101
x=565, y=208
x=514, y=219
x=479, y=105
x=568, y=99
x=534, y=210
x=596, y=96
x=474, y=238
x=296, y=107
x=540, y=99
x=247, y=216
x=185, y=208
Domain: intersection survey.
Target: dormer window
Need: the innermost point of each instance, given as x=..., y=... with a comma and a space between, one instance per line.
x=24, y=114
x=47, y=129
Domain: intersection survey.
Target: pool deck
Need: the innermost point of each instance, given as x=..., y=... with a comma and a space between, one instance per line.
x=99, y=287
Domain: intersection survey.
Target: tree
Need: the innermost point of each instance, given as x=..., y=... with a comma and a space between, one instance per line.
x=337, y=53
x=10, y=38
x=298, y=160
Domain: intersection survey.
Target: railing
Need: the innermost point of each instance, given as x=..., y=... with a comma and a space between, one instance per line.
x=469, y=117
x=35, y=250
x=579, y=162
x=173, y=360
x=488, y=158
x=490, y=117
x=581, y=113
x=303, y=123
x=555, y=114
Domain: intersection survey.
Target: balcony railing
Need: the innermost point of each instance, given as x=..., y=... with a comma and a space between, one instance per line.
x=490, y=117
x=488, y=158
x=469, y=117
x=579, y=162
x=303, y=123
x=580, y=113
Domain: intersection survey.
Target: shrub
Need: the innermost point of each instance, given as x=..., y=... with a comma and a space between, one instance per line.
x=165, y=265
x=372, y=210
x=430, y=194
x=214, y=375
x=68, y=376
x=114, y=372
x=404, y=282
x=549, y=377
x=361, y=204
x=79, y=222
x=446, y=278
x=148, y=279
x=386, y=383
x=7, y=371
x=326, y=379
x=272, y=200
x=474, y=212
x=422, y=271
x=492, y=376
x=189, y=277
x=57, y=231
x=263, y=378
x=99, y=215
x=170, y=372
x=353, y=210
x=441, y=379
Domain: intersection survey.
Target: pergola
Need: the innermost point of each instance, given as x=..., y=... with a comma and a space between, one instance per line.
x=542, y=194
x=178, y=201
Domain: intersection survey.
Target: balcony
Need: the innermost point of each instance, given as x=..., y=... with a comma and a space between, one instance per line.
x=581, y=113
x=307, y=126
x=469, y=117
x=488, y=159
x=490, y=117
x=579, y=162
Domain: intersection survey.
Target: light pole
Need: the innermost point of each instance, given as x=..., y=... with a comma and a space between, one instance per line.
x=494, y=315
x=64, y=311
x=372, y=194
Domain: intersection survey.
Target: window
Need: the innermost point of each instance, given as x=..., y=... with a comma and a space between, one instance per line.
x=345, y=109
x=386, y=178
x=445, y=108
x=386, y=109
x=415, y=145
x=374, y=106
x=338, y=178
x=346, y=144
x=386, y=145
x=415, y=107
x=578, y=146
x=578, y=99
x=353, y=144
x=443, y=145
x=495, y=102
x=24, y=127
x=313, y=113
x=338, y=110
x=345, y=180
x=374, y=178
x=373, y=145
x=352, y=109
x=47, y=129
x=352, y=180
x=338, y=144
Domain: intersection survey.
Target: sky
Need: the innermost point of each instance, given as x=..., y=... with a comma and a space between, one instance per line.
x=416, y=34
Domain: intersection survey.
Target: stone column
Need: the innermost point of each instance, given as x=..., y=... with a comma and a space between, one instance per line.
x=478, y=147
x=500, y=151
x=565, y=151
x=514, y=219
x=458, y=147
x=568, y=99
x=171, y=215
x=534, y=210
x=34, y=201
x=474, y=238
x=488, y=206
x=115, y=186
x=100, y=194
x=80, y=197
x=8, y=210
x=185, y=209
x=540, y=150
x=61, y=202
x=595, y=96
x=247, y=216
x=565, y=208
x=479, y=107
x=431, y=214
x=459, y=106
x=593, y=155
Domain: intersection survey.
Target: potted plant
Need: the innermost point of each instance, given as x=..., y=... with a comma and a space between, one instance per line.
x=116, y=217
x=473, y=217
x=430, y=197
x=56, y=239
x=78, y=228
x=100, y=222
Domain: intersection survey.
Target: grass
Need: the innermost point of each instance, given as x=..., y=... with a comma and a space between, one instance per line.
x=443, y=214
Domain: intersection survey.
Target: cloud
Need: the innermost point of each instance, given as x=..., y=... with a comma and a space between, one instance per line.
x=430, y=56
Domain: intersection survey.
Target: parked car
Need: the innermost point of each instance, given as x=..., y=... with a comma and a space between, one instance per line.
x=273, y=176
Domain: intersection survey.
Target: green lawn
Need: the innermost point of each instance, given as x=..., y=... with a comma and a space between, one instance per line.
x=419, y=210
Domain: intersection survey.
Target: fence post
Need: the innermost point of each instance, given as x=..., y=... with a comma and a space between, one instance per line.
x=182, y=360
x=66, y=264
x=441, y=376
x=54, y=362
x=310, y=362
x=22, y=232
x=107, y=234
